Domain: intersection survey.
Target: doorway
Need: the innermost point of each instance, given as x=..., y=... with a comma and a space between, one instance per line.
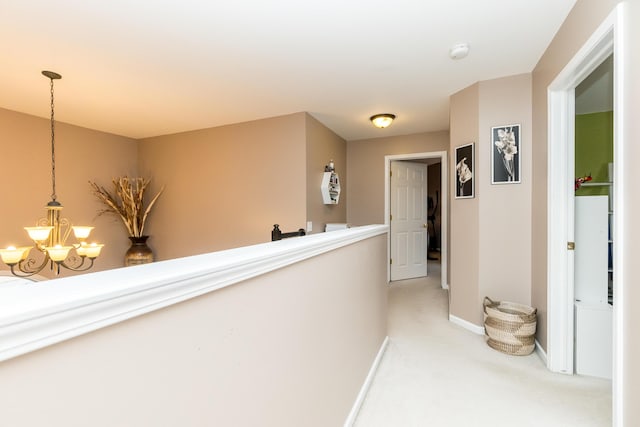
x=593, y=222
x=560, y=190
x=426, y=157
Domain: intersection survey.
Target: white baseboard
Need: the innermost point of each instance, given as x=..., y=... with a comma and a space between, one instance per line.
x=365, y=386
x=467, y=325
x=541, y=353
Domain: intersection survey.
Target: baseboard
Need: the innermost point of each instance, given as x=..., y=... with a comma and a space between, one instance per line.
x=541, y=353
x=467, y=325
x=365, y=386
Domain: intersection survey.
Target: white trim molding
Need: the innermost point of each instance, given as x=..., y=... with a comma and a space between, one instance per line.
x=610, y=37
x=560, y=187
x=36, y=315
x=444, y=188
x=466, y=325
x=541, y=353
x=353, y=415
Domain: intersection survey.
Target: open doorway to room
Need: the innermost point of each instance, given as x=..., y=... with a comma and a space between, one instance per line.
x=561, y=183
x=434, y=212
x=431, y=228
x=593, y=223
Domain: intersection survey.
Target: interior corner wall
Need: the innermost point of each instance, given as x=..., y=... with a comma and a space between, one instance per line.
x=81, y=155
x=226, y=186
x=504, y=209
x=324, y=145
x=579, y=25
x=464, y=239
x=366, y=166
x=491, y=233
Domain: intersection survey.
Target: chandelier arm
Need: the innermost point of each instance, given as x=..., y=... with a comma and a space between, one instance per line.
x=19, y=272
x=79, y=267
x=26, y=269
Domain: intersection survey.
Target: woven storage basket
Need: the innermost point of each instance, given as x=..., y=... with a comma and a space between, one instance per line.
x=510, y=327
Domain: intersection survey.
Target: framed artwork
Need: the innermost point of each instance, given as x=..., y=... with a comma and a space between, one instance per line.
x=465, y=169
x=505, y=154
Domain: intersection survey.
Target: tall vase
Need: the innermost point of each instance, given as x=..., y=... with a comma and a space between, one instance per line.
x=139, y=252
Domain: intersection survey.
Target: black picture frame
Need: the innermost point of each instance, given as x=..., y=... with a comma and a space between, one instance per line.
x=505, y=154
x=465, y=171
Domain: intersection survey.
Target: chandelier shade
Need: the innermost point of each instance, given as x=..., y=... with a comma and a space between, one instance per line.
x=50, y=233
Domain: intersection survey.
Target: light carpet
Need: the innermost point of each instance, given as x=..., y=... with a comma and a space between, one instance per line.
x=435, y=373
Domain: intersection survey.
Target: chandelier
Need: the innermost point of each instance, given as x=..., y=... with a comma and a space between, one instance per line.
x=50, y=234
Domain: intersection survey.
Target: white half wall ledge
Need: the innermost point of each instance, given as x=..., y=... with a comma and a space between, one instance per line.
x=40, y=314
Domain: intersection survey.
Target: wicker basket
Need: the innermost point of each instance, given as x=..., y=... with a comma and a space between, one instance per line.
x=511, y=327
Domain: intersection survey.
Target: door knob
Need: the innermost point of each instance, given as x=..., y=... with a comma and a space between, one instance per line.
x=571, y=246
x=424, y=225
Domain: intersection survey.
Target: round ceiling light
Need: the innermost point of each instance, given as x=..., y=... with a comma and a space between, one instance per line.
x=382, y=120
x=459, y=51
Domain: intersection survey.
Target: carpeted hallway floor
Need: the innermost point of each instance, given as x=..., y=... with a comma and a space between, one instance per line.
x=435, y=373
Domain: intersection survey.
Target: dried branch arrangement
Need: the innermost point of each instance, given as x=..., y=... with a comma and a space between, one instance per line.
x=127, y=201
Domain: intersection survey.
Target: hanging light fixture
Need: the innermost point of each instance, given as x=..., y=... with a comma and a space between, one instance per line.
x=382, y=120
x=50, y=234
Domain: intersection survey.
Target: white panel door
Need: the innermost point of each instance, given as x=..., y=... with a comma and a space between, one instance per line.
x=409, y=238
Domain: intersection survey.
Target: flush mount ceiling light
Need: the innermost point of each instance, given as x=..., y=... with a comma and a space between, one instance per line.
x=382, y=120
x=459, y=51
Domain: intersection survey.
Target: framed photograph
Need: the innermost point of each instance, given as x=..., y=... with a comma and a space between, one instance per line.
x=505, y=154
x=465, y=170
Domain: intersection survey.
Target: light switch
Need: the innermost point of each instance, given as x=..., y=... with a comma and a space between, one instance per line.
x=309, y=226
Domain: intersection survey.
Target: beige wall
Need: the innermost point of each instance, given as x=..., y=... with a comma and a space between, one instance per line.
x=324, y=145
x=365, y=166
x=225, y=187
x=491, y=233
x=270, y=351
x=81, y=155
x=585, y=17
x=464, y=213
x=505, y=210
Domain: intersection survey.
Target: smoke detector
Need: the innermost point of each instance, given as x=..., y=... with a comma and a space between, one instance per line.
x=459, y=51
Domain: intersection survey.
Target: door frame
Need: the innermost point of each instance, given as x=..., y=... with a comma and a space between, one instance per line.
x=442, y=155
x=396, y=268
x=605, y=40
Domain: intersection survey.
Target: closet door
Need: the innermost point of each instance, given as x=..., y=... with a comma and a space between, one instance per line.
x=592, y=249
x=593, y=314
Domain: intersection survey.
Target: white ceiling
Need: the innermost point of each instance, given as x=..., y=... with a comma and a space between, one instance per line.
x=146, y=68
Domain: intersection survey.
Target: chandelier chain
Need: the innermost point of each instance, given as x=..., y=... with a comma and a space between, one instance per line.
x=53, y=150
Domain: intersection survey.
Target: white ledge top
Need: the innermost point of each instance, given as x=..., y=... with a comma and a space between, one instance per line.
x=39, y=314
